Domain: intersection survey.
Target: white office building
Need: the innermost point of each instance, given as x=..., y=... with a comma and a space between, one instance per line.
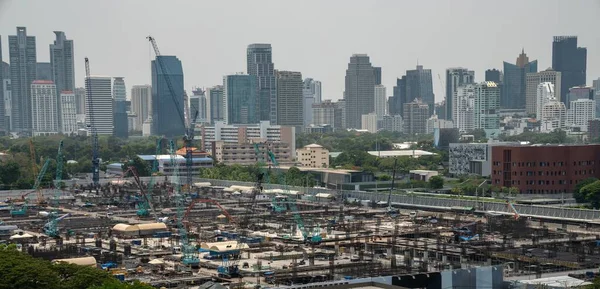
x=245, y=133
x=369, y=122
x=380, y=101
x=43, y=108
x=553, y=116
x=99, y=104
x=464, y=108
x=68, y=112
x=544, y=94
x=141, y=104
x=580, y=113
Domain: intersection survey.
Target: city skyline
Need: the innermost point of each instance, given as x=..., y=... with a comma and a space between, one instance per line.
x=327, y=60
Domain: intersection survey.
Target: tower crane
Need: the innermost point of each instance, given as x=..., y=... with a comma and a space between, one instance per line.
x=189, y=128
x=190, y=254
x=36, y=188
x=59, y=171
x=92, y=127
x=34, y=169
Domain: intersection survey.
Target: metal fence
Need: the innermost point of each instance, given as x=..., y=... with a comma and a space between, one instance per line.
x=432, y=201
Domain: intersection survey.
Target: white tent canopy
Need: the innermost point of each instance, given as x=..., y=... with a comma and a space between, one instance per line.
x=156, y=262
x=24, y=236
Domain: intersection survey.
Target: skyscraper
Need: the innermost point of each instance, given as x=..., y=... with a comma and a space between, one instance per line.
x=494, y=75
x=513, y=92
x=398, y=99
x=198, y=105
x=487, y=104
x=43, y=71
x=290, y=100
x=239, y=91
x=23, y=72
x=308, y=94
x=4, y=126
x=571, y=61
x=464, y=108
x=544, y=94
x=380, y=101
x=141, y=104
x=532, y=80
x=119, y=89
x=456, y=77
x=215, y=102
x=80, y=100
x=377, y=71
x=419, y=85
x=62, y=67
x=260, y=65
x=360, y=90
x=324, y=113
x=99, y=104
x=167, y=109
x=43, y=108
x=415, y=117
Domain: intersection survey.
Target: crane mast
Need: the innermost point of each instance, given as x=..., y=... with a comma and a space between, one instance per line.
x=189, y=128
x=92, y=126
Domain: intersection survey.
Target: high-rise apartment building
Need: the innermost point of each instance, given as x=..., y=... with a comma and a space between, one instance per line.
x=340, y=115
x=380, y=101
x=99, y=104
x=419, y=85
x=513, y=92
x=415, y=117
x=68, y=117
x=4, y=118
x=571, y=61
x=215, y=102
x=80, y=100
x=579, y=114
x=62, y=67
x=43, y=108
x=260, y=65
x=487, y=105
x=456, y=77
x=464, y=113
x=393, y=123
x=141, y=104
x=324, y=113
x=494, y=75
x=533, y=80
x=290, y=99
x=167, y=110
x=360, y=89
x=239, y=91
x=545, y=94
x=23, y=72
x=121, y=118
x=311, y=92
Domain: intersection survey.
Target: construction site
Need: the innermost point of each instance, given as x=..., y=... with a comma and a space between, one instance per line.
x=177, y=232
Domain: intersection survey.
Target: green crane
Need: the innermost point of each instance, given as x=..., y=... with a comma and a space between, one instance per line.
x=190, y=253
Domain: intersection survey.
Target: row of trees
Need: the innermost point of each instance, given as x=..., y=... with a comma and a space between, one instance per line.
x=19, y=270
x=291, y=177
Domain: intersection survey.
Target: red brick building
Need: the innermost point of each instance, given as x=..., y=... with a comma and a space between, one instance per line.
x=544, y=169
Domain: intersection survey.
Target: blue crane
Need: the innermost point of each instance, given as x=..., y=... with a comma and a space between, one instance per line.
x=92, y=127
x=190, y=253
x=189, y=128
x=14, y=212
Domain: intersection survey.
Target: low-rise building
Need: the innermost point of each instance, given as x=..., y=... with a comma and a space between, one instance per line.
x=251, y=153
x=247, y=133
x=422, y=175
x=471, y=158
x=544, y=169
x=314, y=156
x=165, y=167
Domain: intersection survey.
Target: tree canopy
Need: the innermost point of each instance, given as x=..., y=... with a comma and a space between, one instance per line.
x=19, y=270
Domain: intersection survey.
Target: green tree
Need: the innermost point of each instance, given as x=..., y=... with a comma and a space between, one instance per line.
x=115, y=284
x=436, y=182
x=577, y=195
x=592, y=193
x=79, y=277
x=142, y=167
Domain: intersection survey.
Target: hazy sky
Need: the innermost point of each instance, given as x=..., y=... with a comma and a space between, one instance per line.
x=315, y=37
